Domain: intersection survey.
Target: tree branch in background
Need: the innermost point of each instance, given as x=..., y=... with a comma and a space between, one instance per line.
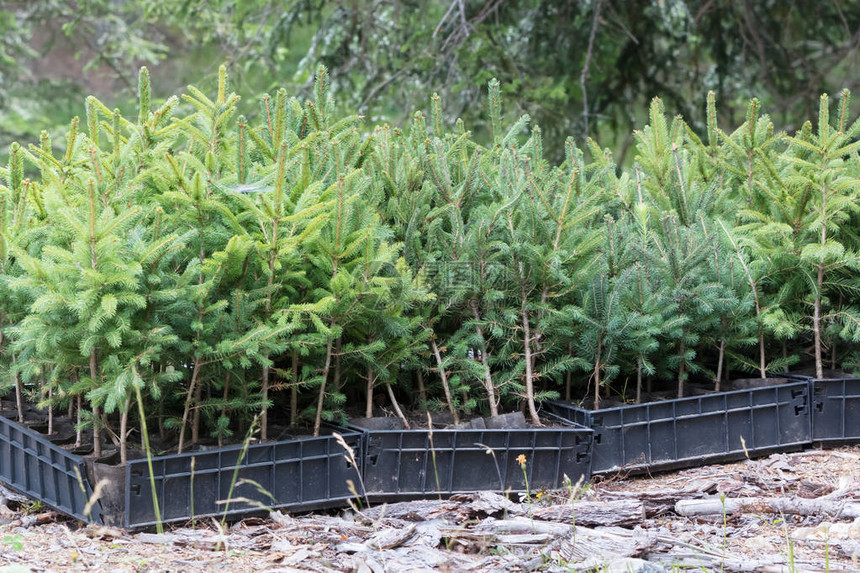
x=583, y=76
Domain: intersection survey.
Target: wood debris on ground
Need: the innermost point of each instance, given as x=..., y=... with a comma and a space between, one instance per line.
x=786, y=512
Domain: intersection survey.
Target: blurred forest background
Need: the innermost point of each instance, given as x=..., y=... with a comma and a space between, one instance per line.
x=581, y=68
x=150, y=262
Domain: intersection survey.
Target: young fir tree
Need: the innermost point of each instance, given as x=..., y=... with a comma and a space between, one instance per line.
x=750, y=158
x=677, y=259
x=82, y=272
x=391, y=331
x=736, y=326
x=652, y=317
x=606, y=326
x=829, y=193
x=398, y=179
x=658, y=145
x=16, y=221
x=459, y=250
x=610, y=318
x=336, y=259
x=122, y=165
x=429, y=184
x=86, y=285
x=758, y=268
x=551, y=231
x=274, y=187
x=216, y=333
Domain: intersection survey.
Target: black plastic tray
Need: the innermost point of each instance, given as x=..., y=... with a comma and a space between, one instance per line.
x=32, y=465
x=302, y=474
x=691, y=431
x=835, y=410
x=405, y=464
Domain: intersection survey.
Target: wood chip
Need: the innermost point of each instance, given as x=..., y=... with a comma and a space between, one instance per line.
x=600, y=546
x=613, y=512
x=390, y=538
x=155, y=538
x=781, y=505
x=488, y=503
x=525, y=539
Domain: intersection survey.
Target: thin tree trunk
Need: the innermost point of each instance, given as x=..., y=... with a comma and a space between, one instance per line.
x=243, y=424
x=19, y=398
x=397, y=406
x=444, y=377
x=264, y=386
x=78, y=431
x=368, y=409
x=422, y=391
x=264, y=414
x=530, y=388
x=816, y=323
x=336, y=381
x=596, y=376
x=833, y=354
x=224, y=396
x=638, y=381
x=97, y=431
x=294, y=390
x=123, y=432
x=50, y=412
x=762, y=361
x=488, y=378
x=762, y=358
x=816, y=316
x=682, y=370
x=195, y=416
x=94, y=369
x=321, y=398
x=567, y=379
x=720, y=360
x=159, y=412
x=94, y=376
x=189, y=396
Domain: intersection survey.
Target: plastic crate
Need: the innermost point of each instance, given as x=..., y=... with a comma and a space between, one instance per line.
x=404, y=464
x=691, y=431
x=302, y=474
x=32, y=465
x=835, y=410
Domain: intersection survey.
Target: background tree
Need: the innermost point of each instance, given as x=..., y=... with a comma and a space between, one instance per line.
x=581, y=68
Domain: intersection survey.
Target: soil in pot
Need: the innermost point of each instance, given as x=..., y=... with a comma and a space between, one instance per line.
x=747, y=383
x=418, y=420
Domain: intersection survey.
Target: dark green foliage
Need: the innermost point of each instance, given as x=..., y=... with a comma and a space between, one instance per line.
x=581, y=68
x=205, y=262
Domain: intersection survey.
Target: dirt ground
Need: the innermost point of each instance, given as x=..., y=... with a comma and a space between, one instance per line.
x=487, y=532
